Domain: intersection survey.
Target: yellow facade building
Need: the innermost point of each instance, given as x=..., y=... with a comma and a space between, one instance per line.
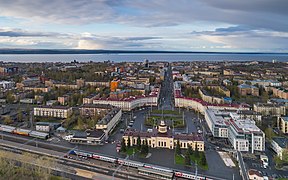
x=283, y=124
x=162, y=137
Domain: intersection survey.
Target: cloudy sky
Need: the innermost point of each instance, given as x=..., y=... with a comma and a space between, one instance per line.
x=189, y=25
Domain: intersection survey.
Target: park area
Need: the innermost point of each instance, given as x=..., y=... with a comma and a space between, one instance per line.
x=172, y=118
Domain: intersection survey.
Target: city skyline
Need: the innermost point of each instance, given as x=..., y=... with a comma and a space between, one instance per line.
x=211, y=26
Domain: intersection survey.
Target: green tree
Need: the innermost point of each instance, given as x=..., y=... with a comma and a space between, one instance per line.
x=7, y=120
x=123, y=145
x=138, y=142
x=203, y=159
x=178, y=149
x=196, y=151
x=128, y=142
x=20, y=115
x=80, y=123
x=269, y=133
x=189, y=150
x=144, y=147
x=187, y=158
x=10, y=98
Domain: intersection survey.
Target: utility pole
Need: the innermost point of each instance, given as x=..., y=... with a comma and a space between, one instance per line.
x=183, y=117
x=196, y=171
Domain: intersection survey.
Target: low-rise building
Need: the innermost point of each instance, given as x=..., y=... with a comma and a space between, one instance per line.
x=269, y=109
x=7, y=84
x=254, y=174
x=162, y=137
x=282, y=123
x=94, y=137
x=53, y=111
x=46, y=126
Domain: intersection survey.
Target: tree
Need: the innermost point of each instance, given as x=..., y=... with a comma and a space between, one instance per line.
x=189, y=150
x=196, y=151
x=8, y=120
x=80, y=123
x=128, y=142
x=187, y=158
x=144, y=147
x=19, y=115
x=10, y=98
x=269, y=133
x=138, y=142
x=203, y=159
x=123, y=145
x=178, y=149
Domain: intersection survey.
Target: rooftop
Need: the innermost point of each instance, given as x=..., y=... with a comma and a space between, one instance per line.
x=281, y=141
x=246, y=86
x=285, y=118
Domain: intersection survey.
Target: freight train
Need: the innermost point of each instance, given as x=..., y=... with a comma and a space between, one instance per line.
x=160, y=170
x=23, y=132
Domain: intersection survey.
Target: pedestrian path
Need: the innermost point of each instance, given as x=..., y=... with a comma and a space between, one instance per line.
x=226, y=158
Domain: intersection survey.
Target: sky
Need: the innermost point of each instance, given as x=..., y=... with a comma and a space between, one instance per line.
x=172, y=25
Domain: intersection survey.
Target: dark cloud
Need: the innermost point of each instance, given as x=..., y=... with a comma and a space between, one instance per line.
x=267, y=14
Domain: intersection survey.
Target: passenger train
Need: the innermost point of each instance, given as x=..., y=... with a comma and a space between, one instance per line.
x=138, y=165
x=23, y=132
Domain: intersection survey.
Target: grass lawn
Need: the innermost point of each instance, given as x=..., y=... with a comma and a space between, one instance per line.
x=153, y=121
x=156, y=111
x=181, y=161
x=130, y=151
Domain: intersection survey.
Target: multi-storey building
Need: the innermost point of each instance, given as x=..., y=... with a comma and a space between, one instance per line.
x=245, y=89
x=217, y=122
x=127, y=104
x=280, y=92
x=63, y=100
x=162, y=137
x=280, y=146
x=282, y=123
x=245, y=136
x=53, y=111
x=89, y=99
x=110, y=120
x=269, y=109
x=94, y=109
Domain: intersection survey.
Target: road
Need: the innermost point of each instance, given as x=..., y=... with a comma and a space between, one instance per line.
x=166, y=99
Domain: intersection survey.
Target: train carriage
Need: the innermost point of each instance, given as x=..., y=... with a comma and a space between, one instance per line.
x=129, y=163
x=23, y=132
x=6, y=128
x=40, y=135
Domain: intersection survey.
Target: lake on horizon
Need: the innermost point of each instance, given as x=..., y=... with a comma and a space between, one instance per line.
x=140, y=57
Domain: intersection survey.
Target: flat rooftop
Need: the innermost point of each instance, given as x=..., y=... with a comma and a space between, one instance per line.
x=218, y=117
